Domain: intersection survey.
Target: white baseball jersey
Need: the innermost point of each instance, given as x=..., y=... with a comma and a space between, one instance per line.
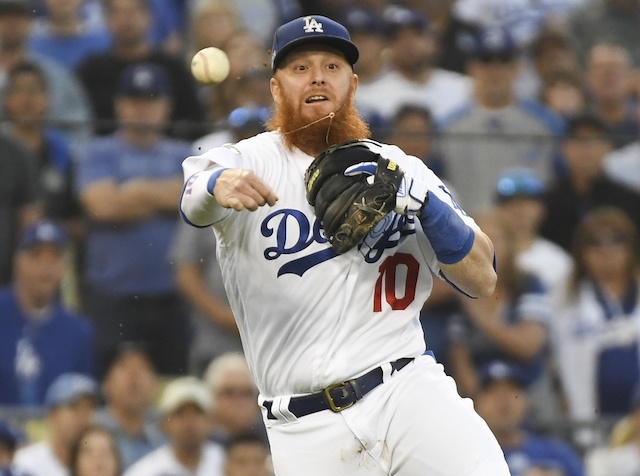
x=308, y=317
x=38, y=459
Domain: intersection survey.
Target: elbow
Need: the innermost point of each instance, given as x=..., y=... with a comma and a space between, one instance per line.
x=484, y=285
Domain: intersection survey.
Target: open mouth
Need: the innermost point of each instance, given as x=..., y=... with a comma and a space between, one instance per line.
x=316, y=98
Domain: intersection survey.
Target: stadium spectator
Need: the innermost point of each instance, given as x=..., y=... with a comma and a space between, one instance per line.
x=412, y=129
x=564, y=94
x=609, y=78
x=128, y=22
x=596, y=329
x=585, y=185
x=610, y=21
x=451, y=30
x=621, y=456
x=502, y=402
x=62, y=35
x=129, y=184
x=367, y=30
x=129, y=388
x=184, y=404
x=550, y=53
x=200, y=281
x=495, y=130
x=246, y=58
x=70, y=401
x=234, y=397
x=511, y=325
x=413, y=77
x=18, y=200
x=69, y=106
x=40, y=339
x=211, y=23
x=95, y=453
x=26, y=102
x=247, y=455
x=519, y=202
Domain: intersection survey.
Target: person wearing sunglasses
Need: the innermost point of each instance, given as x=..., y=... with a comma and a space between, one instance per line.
x=597, y=325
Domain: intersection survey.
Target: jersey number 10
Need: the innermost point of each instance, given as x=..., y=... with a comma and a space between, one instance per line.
x=386, y=283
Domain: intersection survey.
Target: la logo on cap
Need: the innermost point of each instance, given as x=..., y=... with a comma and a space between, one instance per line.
x=311, y=25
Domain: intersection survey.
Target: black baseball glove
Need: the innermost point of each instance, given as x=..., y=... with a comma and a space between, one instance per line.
x=351, y=189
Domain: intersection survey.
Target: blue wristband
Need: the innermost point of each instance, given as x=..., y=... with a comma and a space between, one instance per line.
x=450, y=237
x=212, y=179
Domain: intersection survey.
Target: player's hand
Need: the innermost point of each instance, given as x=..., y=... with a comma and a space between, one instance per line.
x=242, y=189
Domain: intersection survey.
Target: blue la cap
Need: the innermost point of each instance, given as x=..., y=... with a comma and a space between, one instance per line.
x=498, y=371
x=70, y=387
x=43, y=232
x=144, y=80
x=494, y=42
x=312, y=29
x=519, y=183
x=249, y=115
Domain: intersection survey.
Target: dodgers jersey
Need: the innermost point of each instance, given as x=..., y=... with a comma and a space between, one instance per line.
x=309, y=317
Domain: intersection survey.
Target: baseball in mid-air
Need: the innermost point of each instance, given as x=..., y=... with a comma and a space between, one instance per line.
x=210, y=65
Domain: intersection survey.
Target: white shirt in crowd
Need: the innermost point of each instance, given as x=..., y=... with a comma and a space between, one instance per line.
x=38, y=459
x=162, y=462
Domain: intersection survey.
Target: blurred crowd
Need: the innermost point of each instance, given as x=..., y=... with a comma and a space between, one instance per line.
x=119, y=353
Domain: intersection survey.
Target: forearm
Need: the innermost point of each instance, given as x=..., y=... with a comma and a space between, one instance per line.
x=465, y=254
x=522, y=341
x=474, y=274
x=198, y=205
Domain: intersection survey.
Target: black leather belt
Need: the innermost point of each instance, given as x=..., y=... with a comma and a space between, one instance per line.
x=339, y=396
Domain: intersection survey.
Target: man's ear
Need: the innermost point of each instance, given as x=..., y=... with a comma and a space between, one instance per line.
x=275, y=89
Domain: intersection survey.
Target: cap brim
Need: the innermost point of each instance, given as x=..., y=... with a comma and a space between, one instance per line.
x=347, y=48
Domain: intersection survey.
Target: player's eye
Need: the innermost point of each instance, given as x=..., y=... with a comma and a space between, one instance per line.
x=332, y=66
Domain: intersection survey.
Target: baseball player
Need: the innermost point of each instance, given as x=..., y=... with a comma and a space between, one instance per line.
x=331, y=333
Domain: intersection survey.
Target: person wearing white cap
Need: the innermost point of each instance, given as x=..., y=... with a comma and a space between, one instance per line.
x=71, y=401
x=184, y=403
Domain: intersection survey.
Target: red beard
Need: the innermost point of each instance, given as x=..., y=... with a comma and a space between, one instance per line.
x=314, y=137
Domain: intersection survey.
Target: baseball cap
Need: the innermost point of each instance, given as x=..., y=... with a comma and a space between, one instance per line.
x=182, y=391
x=144, y=80
x=45, y=232
x=397, y=18
x=249, y=115
x=15, y=6
x=499, y=371
x=517, y=183
x=312, y=29
x=126, y=348
x=69, y=388
x=493, y=42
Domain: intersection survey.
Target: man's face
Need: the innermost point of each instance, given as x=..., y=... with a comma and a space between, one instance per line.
x=131, y=382
x=144, y=113
x=609, y=72
x=14, y=30
x=235, y=398
x=247, y=459
x=39, y=271
x=585, y=151
x=502, y=405
x=128, y=21
x=63, y=8
x=187, y=427
x=315, y=80
x=68, y=421
x=25, y=97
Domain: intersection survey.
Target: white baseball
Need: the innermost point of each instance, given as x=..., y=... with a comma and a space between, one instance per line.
x=210, y=65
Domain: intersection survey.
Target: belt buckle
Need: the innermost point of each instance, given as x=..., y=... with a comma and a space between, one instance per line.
x=327, y=394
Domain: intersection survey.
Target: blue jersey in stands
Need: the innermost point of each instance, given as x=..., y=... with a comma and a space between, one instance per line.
x=34, y=352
